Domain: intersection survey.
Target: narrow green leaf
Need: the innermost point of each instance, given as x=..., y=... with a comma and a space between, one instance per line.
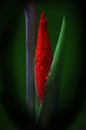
x=49, y=108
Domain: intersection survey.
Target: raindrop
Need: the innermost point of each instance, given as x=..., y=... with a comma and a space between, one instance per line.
x=52, y=77
x=45, y=77
x=41, y=67
x=38, y=58
x=41, y=101
x=39, y=47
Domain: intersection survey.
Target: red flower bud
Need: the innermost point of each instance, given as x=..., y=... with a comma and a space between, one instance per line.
x=43, y=58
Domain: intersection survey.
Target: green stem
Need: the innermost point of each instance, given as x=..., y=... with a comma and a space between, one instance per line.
x=30, y=17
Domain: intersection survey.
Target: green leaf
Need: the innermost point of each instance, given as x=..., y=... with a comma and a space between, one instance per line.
x=49, y=108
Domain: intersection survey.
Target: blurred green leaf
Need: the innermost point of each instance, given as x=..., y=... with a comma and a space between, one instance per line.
x=49, y=108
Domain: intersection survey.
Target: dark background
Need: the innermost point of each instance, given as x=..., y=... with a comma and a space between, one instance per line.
x=72, y=100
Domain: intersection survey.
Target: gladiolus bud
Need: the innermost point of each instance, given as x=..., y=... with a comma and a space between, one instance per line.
x=43, y=58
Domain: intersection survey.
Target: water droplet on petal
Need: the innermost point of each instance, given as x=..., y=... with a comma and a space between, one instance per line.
x=38, y=58
x=41, y=67
x=41, y=101
x=45, y=77
x=39, y=47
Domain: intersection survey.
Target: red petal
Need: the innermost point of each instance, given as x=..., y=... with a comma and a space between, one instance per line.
x=43, y=57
